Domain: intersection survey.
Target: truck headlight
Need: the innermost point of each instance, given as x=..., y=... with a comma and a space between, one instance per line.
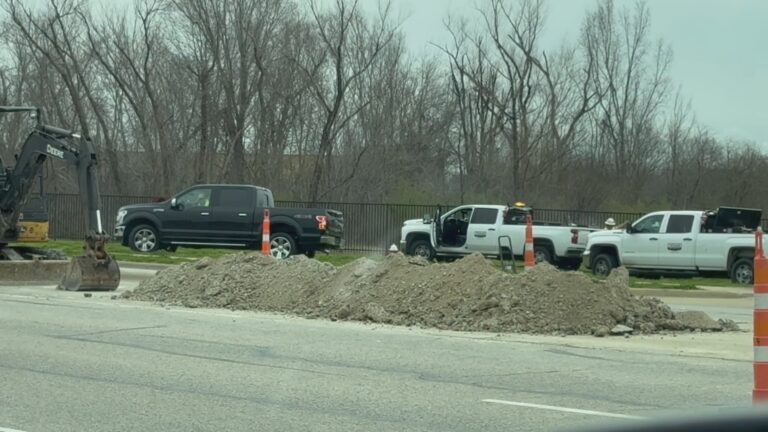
x=120, y=216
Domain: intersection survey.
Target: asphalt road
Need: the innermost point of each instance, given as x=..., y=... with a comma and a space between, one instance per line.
x=70, y=363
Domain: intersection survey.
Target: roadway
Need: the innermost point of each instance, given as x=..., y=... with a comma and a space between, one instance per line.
x=71, y=363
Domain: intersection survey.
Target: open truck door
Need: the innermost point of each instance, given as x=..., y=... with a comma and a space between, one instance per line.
x=436, y=231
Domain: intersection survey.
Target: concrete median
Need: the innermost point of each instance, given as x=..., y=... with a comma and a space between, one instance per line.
x=40, y=271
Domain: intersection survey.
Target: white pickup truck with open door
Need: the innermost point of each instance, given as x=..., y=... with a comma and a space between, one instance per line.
x=680, y=241
x=478, y=228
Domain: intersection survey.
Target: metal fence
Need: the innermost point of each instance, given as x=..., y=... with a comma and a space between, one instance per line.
x=367, y=227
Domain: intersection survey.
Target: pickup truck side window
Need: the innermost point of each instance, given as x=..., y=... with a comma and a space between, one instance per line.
x=195, y=198
x=649, y=225
x=484, y=216
x=264, y=199
x=238, y=198
x=680, y=224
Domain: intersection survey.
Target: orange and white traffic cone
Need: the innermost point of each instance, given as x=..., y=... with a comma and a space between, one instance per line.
x=265, y=247
x=760, y=319
x=528, y=255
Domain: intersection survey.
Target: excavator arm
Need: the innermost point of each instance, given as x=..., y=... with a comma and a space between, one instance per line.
x=95, y=269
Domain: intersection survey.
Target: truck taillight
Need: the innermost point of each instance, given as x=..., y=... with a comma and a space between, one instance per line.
x=574, y=236
x=322, y=222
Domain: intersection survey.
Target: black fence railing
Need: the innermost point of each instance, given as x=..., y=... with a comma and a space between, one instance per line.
x=367, y=227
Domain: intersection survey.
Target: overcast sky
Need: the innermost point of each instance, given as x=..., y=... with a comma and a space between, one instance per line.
x=720, y=50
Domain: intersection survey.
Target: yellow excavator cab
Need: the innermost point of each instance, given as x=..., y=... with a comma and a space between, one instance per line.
x=33, y=231
x=33, y=221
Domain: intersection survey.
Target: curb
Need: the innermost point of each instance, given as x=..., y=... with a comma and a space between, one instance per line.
x=144, y=266
x=660, y=292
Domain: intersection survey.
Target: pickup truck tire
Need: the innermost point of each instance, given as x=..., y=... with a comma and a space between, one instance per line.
x=281, y=245
x=422, y=248
x=603, y=264
x=741, y=271
x=144, y=238
x=542, y=254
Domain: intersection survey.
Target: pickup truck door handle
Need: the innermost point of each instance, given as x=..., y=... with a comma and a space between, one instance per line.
x=479, y=234
x=242, y=214
x=653, y=239
x=491, y=229
x=687, y=239
x=204, y=214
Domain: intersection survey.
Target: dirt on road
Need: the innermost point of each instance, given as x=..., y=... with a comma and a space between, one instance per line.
x=469, y=294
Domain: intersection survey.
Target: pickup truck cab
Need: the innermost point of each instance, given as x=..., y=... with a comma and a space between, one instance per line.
x=227, y=216
x=481, y=228
x=680, y=241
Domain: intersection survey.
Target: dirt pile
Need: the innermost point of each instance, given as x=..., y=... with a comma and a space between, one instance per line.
x=468, y=294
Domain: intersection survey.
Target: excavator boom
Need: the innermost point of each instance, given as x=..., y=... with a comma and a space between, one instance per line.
x=95, y=270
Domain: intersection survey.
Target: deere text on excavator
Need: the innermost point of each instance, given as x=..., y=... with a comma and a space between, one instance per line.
x=95, y=270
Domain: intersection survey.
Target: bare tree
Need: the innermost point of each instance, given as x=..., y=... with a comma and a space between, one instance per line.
x=130, y=52
x=56, y=36
x=633, y=77
x=350, y=47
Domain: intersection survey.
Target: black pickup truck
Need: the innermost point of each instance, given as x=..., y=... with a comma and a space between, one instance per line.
x=227, y=216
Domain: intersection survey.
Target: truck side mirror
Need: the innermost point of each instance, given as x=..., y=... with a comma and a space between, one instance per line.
x=176, y=205
x=630, y=230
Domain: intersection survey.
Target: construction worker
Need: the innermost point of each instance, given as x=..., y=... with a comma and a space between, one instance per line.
x=610, y=223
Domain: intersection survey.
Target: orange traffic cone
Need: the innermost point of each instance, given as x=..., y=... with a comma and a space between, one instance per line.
x=760, y=322
x=265, y=248
x=528, y=256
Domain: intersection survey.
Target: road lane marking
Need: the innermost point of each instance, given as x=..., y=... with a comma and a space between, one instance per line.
x=2, y=429
x=564, y=409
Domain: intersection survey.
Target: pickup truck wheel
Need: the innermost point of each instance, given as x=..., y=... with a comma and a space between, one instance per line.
x=603, y=265
x=422, y=248
x=144, y=238
x=542, y=254
x=281, y=245
x=741, y=271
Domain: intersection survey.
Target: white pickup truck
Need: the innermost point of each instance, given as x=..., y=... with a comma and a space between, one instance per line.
x=477, y=228
x=680, y=241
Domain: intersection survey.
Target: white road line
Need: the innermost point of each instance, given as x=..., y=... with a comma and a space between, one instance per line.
x=564, y=409
x=2, y=429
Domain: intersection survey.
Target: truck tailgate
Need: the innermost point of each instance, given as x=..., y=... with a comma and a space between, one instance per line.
x=583, y=236
x=335, y=223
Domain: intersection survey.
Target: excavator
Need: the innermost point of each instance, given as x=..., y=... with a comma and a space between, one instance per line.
x=95, y=270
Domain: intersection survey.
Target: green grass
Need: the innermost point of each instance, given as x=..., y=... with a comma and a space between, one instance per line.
x=122, y=253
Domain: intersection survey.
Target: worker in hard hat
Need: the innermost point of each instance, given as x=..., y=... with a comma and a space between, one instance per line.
x=610, y=223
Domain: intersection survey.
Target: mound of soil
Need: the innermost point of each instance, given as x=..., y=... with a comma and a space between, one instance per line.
x=469, y=294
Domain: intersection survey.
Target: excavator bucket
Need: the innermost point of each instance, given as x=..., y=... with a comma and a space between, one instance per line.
x=95, y=270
